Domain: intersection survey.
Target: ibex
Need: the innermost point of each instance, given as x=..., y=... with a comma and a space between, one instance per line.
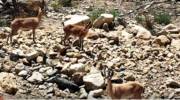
x=25, y=23
x=129, y=90
x=76, y=30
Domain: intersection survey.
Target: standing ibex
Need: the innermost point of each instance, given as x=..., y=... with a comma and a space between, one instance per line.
x=76, y=30
x=25, y=23
x=129, y=90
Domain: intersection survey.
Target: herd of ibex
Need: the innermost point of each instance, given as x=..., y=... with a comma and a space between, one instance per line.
x=129, y=90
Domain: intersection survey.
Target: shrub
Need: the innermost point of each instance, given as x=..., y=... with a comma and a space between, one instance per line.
x=162, y=18
x=55, y=4
x=3, y=22
x=114, y=12
x=94, y=14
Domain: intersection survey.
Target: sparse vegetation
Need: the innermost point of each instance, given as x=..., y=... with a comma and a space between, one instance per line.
x=162, y=18
x=3, y=22
x=55, y=4
x=94, y=14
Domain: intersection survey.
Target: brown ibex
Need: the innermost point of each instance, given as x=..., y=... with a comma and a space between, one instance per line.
x=76, y=30
x=129, y=90
x=25, y=23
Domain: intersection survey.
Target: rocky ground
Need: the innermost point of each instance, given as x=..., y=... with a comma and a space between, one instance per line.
x=29, y=70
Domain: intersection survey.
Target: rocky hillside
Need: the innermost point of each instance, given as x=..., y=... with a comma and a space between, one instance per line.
x=49, y=69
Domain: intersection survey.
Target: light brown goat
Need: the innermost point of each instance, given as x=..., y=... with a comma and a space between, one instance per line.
x=129, y=90
x=25, y=23
x=78, y=31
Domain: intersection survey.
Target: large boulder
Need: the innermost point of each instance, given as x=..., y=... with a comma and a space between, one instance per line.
x=93, y=80
x=139, y=31
x=76, y=20
x=162, y=40
x=103, y=18
x=8, y=83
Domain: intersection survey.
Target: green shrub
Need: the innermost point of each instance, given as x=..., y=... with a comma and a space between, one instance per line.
x=65, y=3
x=95, y=13
x=162, y=18
x=56, y=4
x=114, y=12
x=140, y=18
x=3, y=22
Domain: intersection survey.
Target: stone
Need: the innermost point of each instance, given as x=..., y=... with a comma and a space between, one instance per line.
x=19, y=67
x=8, y=83
x=175, y=43
x=140, y=32
x=39, y=59
x=92, y=35
x=36, y=77
x=73, y=55
x=53, y=55
x=7, y=66
x=162, y=40
x=93, y=80
x=23, y=73
x=32, y=55
x=51, y=71
x=83, y=94
x=79, y=67
x=3, y=35
x=130, y=78
x=172, y=83
x=126, y=35
x=95, y=93
x=77, y=77
x=16, y=54
x=170, y=28
x=103, y=18
x=77, y=20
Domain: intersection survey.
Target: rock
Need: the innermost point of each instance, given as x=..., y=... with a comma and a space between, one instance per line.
x=23, y=73
x=60, y=48
x=39, y=59
x=77, y=20
x=42, y=87
x=7, y=66
x=103, y=18
x=92, y=35
x=19, y=67
x=170, y=28
x=162, y=40
x=3, y=35
x=53, y=55
x=36, y=77
x=32, y=55
x=16, y=54
x=8, y=83
x=51, y=72
x=130, y=78
x=93, y=80
x=77, y=77
x=126, y=35
x=83, y=94
x=95, y=93
x=64, y=83
x=79, y=67
x=172, y=84
x=140, y=32
x=73, y=55
x=175, y=43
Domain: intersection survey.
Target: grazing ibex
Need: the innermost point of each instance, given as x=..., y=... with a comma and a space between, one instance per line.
x=25, y=23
